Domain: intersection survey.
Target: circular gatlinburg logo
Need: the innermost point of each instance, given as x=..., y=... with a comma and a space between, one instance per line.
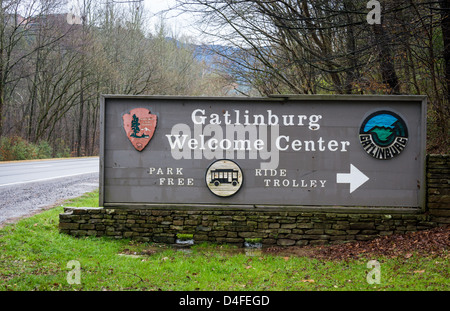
x=383, y=135
x=224, y=178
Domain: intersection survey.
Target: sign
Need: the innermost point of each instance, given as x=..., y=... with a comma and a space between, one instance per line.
x=293, y=151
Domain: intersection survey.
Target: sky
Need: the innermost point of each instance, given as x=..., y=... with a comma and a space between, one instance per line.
x=159, y=5
x=180, y=23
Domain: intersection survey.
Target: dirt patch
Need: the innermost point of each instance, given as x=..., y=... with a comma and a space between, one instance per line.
x=14, y=220
x=434, y=242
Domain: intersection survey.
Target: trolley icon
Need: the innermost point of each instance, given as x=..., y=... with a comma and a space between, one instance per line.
x=224, y=176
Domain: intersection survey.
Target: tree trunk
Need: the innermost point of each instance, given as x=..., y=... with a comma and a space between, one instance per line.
x=350, y=73
x=445, y=26
x=388, y=74
x=80, y=119
x=32, y=100
x=1, y=110
x=87, y=152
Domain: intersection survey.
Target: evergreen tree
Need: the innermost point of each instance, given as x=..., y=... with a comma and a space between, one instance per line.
x=135, y=127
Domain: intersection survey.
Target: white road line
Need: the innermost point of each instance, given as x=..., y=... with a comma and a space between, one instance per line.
x=43, y=179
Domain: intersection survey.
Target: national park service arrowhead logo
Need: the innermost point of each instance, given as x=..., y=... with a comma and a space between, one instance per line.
x=139, y=125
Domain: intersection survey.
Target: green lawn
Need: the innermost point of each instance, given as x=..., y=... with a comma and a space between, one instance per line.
x=35, y=256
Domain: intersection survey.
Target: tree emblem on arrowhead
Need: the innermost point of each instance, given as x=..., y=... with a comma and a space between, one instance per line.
x=139, y=126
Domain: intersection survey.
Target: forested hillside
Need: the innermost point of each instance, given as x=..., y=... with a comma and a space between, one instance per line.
x=55, y=65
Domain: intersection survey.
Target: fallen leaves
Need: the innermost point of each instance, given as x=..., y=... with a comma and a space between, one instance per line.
x=429, y=242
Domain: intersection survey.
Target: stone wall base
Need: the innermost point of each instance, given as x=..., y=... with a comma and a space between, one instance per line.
x=234, y=227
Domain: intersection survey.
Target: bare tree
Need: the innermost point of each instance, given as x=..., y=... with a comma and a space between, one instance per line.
x=327, y=46
x=16, y=27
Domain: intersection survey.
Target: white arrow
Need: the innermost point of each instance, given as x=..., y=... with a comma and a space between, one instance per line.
x=355, y=178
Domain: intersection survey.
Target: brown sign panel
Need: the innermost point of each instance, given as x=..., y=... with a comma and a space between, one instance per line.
x=235, y=152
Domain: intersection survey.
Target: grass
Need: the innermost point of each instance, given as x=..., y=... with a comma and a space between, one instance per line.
x=35, y=256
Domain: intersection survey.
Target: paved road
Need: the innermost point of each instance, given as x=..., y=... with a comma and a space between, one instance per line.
x=29, y=186
x=16, y=173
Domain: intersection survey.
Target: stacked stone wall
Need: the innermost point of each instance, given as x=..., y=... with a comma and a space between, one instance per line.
x=438, y=188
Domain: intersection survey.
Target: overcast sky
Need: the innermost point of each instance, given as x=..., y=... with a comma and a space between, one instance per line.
x=180, y=23
x=159, y=5
x=176, y=22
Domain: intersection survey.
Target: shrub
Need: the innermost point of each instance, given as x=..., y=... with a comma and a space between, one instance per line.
x=60, y=149
x=17, y=148
x=44, y=150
